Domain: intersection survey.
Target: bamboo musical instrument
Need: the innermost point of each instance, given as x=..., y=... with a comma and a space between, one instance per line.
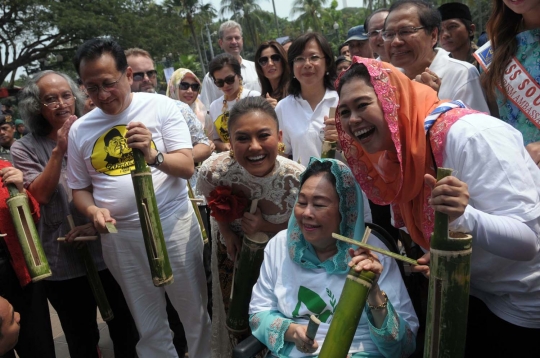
x=197, y=211
x=246, y=275
x=34, y=256
x=449, y=283
x=329, y=147
x=348, y=312
x=93, y=279
x=154, y=241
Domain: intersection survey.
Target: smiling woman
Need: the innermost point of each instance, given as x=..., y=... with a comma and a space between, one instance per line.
x=256, y=172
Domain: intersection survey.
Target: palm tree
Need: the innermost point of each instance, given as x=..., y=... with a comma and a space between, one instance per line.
x=188, y=9
x=310, y=12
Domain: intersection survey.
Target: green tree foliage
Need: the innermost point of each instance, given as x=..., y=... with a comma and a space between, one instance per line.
x=310, y=13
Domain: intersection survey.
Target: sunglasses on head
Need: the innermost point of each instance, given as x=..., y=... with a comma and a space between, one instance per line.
x=263, y=61
x=228, y=80
x=184, y=86
x=139, y=76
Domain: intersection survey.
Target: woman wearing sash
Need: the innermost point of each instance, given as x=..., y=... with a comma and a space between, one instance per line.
x=305, y=269
x=252, y=170
x=226, y=73
x=514, y=34
x=395, y=132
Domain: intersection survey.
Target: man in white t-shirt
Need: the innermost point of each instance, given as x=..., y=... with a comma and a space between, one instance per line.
x=100, y=160
x=231, y=42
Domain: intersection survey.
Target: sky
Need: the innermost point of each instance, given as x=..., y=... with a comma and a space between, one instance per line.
x=283, y=7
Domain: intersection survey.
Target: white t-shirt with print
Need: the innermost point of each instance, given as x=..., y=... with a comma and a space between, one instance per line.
x=98, y=156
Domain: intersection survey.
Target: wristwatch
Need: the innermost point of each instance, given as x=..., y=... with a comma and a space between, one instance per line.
x=159, y=160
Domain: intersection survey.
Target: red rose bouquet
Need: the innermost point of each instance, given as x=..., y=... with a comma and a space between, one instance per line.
x=226, y=206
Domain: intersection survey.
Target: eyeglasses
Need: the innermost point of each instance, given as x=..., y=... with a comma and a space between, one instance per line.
x=139, y=76
x=374, y=33
x=184, y=86
x=106, y=87
x=228, y=80
x=263, y=61
x=300, y=61
x=403, y=33
x=54, y=102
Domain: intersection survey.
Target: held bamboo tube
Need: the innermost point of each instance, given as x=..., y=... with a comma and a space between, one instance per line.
x=347, y=314
x=197, y=212
x=329, y=147
x=94, y=280
x=154, y=241
x=34, y=256
x=448, y=297
x=246, y=275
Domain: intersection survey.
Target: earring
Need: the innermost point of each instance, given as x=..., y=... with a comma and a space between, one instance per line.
x=281, y=148
x=327, y=73
x=231, y=153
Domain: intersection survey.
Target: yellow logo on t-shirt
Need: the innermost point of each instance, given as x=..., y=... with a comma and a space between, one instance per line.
x=111, y=154
x=221, y=124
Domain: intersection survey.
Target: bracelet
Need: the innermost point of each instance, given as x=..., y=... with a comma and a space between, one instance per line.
x=382, y=306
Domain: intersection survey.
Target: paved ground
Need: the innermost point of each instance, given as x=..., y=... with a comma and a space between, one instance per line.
x=60, y=344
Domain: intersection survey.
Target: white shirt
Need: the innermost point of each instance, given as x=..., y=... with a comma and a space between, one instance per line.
x=504, y=182
x=459, y=80
x=301, y=126
x=210, y=92
x=216, y=108
x=98, y=156
x=280, y=280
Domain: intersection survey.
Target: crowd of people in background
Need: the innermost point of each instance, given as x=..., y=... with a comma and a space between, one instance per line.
x=409, y=91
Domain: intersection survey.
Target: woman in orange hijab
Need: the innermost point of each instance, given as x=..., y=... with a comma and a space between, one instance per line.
x=395, y=133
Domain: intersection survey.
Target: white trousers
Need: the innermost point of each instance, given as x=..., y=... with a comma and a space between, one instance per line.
x=125, y=256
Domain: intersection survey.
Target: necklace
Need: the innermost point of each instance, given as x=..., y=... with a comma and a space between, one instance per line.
x=225, y=109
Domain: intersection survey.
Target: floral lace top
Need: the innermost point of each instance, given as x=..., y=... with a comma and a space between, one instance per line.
x=276, y=192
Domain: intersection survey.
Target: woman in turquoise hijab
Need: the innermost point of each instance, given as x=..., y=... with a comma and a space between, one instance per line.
x=304, y=271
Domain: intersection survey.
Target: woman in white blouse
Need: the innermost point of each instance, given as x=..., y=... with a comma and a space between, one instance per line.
x=311, y=94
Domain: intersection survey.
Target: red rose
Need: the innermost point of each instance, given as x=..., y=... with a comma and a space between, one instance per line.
x=226, y=206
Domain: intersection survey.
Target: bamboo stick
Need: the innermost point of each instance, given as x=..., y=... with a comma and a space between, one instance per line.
x=34, y=256
x=376, y=249
x=197, y=212
x=313, y=327
x=154, y=241
x=329, y=147
x=246, y=275
x=80, y=238
x=448, y=298
x=93, y=279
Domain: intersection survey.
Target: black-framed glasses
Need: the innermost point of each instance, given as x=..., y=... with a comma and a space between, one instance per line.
x=263, y=61
x=403, y=33
x=374, y=33
x=139, y=76
x=106, y=87
x=184, y=86
x=300, y=61
x=54, y=102
x=228, y=80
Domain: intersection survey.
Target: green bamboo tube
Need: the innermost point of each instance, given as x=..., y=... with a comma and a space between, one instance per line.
x=197, y=212
x=34, y=256
x=154, y=241
x=448, y=297
x=96, y=285
x=247, y=273
x=347, y=314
